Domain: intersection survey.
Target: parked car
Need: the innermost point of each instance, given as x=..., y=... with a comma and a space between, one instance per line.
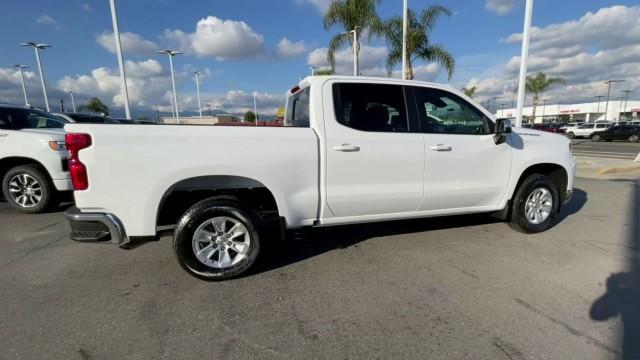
x=86, y=118
x=570, y=127
x=552, y=128
x=351, y=151
x=33, y=158
x=585, y=130
x=630, y=133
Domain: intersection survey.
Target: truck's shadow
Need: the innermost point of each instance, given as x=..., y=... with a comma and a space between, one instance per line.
x=319, y=241
x=623, y=289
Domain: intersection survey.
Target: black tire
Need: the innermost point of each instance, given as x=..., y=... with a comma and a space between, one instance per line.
x=196, y=216
x=634, y=138
x=595, y=138
x=519, y=219
x=571, y=135
x=47, y=190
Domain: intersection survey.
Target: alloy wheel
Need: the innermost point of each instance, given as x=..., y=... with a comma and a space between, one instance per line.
x=25, y=190
x=538, y=206
x=221, y=242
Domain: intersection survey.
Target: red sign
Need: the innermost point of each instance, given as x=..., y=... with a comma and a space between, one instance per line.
x=570, y=111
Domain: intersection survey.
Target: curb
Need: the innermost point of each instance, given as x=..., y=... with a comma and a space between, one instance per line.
x=618, y=170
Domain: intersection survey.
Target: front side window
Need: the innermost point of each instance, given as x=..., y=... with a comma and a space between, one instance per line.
x=298, y=114
x=441, y=112
x=370, y=107
x=601, y=126
x=33, y=119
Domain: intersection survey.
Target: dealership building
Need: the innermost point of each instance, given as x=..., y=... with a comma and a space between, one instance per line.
x=587, y=112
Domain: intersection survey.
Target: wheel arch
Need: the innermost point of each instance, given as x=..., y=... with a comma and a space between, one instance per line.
x=10, y=162
x=180, y=196
x=558, y=174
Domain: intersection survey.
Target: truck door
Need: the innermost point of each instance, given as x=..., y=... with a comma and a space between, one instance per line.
x=374, y=163
x=465, y=168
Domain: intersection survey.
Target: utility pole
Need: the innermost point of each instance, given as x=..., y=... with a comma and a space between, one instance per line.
x=405, y=22
x=528, y=14
x=197, y=74
x=171, y=54
x=609, y=82
x=24, y=88
x=37, y=47
x=123, y=76
x=626, y=99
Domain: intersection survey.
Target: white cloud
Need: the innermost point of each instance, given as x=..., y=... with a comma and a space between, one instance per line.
x=238, y=101
x=500, y=7
x=49, y=21
x=220, y=39
x=132, y=44
x=585, y=52
x=290, y=49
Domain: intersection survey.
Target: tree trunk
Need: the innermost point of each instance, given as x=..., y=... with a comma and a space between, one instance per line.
x=535, y=105
x=409, y=72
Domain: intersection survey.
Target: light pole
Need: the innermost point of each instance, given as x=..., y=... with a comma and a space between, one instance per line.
x=313, y=70
x=501, y=108
x=606, y=109
x=626, y=99
x=37, y=47
x=171, y=54
x=255, y=107
x=544, y=108
x=73, y=101
x=599, y=97
x=197, y=74
x=24, y=88
x=123, y=77
x=356, y=46
x=523, y=60
x=494, y=102
x=405, y=21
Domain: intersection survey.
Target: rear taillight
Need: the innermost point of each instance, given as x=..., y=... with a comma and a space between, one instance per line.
x=76, y=142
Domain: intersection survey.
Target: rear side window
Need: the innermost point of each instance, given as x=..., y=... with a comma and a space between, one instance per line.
x=371, y=107
x=5, y=121
x=298, y=109
x=601, y=126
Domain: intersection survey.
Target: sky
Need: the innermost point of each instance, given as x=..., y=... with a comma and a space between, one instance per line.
x=247, y=47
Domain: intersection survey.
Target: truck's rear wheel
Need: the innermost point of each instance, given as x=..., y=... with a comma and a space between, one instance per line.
x=633, y=138
x=535, y=205
x=28, y=190
x=217, y=239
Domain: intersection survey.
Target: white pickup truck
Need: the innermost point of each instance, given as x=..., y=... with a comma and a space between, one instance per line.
x=352, y=150
x=33, y=158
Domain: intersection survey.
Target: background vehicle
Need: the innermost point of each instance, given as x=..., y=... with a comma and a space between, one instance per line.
x=585, y=130
x=86, y=118
x=33, y=158
x=630, y=133
x=352, y=150
x=552, y=128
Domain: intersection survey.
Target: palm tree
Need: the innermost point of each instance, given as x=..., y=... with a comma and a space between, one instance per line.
x=539, y=83
x=419, y=45
x=350, y=14
x=95, y=106
x=470, y=91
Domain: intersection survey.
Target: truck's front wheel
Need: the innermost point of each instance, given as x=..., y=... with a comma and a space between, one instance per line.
x=535, y=205
x=217, y=239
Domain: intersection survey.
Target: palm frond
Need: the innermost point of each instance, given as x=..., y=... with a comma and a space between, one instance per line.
x=438, y=54
x=336, y=42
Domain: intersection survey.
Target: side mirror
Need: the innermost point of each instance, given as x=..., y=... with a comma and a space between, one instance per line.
x=503, y=127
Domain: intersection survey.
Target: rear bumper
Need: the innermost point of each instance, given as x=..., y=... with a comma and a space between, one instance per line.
x=95, y=227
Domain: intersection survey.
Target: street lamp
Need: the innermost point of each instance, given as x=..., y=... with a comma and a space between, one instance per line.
x=37, y=47
x=313, y=70
x=24, y=88
x=73, y=101
x=171, y=54
x=355, y=46
x=523, y=60
x=405, y=22
x=123, y=77
x=599, y=97
x=197, y=74
x=255, y=107
x=626, y=99
x=609, y=82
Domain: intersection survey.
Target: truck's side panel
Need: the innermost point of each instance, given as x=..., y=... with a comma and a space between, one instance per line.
x=141, y=162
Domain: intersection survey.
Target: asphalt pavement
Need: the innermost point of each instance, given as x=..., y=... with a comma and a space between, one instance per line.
x=610, y=150
x=464, y=287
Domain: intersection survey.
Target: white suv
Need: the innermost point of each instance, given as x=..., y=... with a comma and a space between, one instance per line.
x=585, y=130
x=33, y=158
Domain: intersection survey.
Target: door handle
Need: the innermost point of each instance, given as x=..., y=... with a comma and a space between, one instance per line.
x=346, y=148
x=440, y=147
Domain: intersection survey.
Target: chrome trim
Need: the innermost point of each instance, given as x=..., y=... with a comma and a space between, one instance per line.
x=113, y=224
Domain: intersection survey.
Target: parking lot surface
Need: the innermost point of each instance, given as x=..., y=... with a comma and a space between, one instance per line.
x=463, y=287
x=609, y=150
